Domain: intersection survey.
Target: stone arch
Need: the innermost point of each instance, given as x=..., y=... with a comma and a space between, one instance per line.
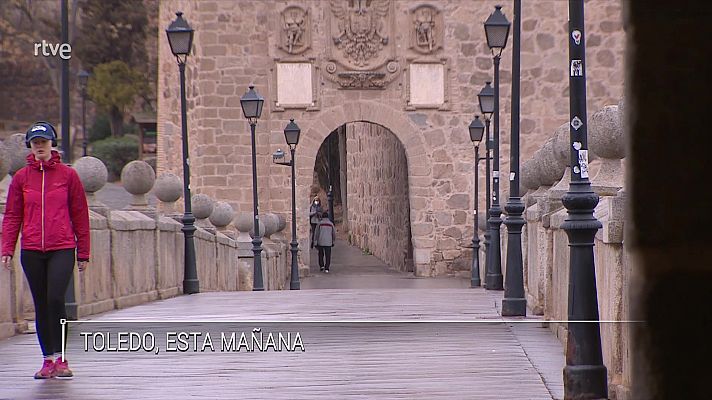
x=321, y=124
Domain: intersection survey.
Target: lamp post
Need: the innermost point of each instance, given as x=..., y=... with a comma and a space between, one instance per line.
x=486, y=100
x=180, y=38
x=514, y=303
x=330, y=192
x=291, y=135
x=83, y=78
x=476, y=129
x=251, y=103
x=497, y=31
x=584, y=374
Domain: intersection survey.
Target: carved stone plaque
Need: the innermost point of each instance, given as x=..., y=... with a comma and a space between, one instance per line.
x=426, y=31
x=294, y=84
x=295, y=35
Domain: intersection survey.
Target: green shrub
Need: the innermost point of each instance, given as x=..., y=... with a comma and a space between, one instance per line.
x=100, y=129
x=115, y=153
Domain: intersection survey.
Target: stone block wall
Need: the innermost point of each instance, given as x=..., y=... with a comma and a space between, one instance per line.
x=378, y=217
x=238, y=43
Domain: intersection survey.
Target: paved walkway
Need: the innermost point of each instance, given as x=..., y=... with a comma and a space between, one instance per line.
x=365, y=332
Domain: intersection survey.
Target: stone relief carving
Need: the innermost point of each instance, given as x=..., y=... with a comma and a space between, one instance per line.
x=361, y=29
x=296, y=30
x=427, y=30
x=361, y=54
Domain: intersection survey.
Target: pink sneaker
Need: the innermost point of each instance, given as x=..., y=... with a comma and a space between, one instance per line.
x=62, y=370
x=47, y=370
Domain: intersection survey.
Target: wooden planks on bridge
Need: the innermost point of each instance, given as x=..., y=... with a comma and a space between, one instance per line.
x=367, y=359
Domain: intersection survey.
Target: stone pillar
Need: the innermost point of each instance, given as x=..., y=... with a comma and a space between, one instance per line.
x=606, y=140
x=168, y=189
x=16, y=151
x=203, y=206
x=93, y=174
x=281, y=235
x=138, y=178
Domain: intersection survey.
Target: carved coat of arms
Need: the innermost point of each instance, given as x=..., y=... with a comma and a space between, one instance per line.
x=361, y=30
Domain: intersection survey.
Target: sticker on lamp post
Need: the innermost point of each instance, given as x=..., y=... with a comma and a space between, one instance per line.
x=576, y=68
x=576, y=123
x=583, y=162
x=576, y=35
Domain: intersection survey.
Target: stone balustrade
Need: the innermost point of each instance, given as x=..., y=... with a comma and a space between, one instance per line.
x=545, y=244
x=137, y=254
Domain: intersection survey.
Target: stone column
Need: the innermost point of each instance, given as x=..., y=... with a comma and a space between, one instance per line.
x=138, y=178
x=93, y=174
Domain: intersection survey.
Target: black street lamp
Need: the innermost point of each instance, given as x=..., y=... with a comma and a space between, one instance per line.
x=486, y=100
x=83, y=78
x=476, y=129
x=251, y=103
x=180, y=38
x=514, y=303
x=584, y=374
x=291, y=135
x=497, y=31
x=330, y=192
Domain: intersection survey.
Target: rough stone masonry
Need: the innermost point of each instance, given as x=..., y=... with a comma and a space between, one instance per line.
x=412, y=68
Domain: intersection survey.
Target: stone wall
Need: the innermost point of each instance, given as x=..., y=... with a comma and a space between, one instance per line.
x=377, y=192
x=237, y=44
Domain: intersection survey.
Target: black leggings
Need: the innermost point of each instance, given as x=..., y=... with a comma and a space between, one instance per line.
x=48, y=275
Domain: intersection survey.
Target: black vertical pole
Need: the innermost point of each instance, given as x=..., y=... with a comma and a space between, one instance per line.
x=475, y=270
x=584, y=374
x=190, y=273
x=294, y=282
x=257, y=284
x=84, y=122
x=488, y=161
x=70, y=301
x=494, y=262
x=514, y=303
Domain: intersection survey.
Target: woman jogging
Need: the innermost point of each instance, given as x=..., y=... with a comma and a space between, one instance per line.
x=46, y=200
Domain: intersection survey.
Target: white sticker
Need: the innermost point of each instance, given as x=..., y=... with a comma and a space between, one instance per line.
x=583, y=162
x=577, y=146
x=576, y=35
x=576, y=68
x=576, y=123
x=495, y=174
x=576, y=169
x=511, y=176
x=475, y=212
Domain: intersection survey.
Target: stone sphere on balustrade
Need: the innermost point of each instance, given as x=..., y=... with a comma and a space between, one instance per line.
x=16, y=152
x=222, y=214
x=168, y=187
x=138, y=177
x=4, y=161
x=605, y=133
x=92, y=172
x=550, y=168
x=282, y=222
x=271, y=222
x=528, y=176
x=262, y=229
x=202, y=205
x=562, y=143
x=243, y=222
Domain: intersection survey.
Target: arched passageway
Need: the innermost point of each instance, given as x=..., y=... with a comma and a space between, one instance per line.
x=366, y=167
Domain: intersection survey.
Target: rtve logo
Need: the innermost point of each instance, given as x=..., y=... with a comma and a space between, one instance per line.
x=63, y=50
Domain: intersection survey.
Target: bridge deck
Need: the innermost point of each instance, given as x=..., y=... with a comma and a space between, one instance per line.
x=405, y=358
